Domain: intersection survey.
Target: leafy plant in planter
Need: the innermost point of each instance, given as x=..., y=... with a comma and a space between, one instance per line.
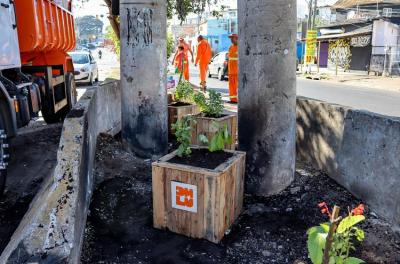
x=184, y=92
x=212, y=106
x=193, y=188
x=331, y=243
x=182, y=106
x=183, y=134
x=220, y=139
x=211, y=122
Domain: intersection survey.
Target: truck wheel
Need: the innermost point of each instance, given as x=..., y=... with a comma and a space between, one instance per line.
x=72, y=95
x=48, y=116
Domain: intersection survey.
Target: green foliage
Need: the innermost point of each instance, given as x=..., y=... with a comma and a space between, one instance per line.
x=182, y=8
x=343, y=239
x=170, y=44
x=183, y=133
x=212, y=106
x=184, y=92
x=110, y=34
x=220, y=139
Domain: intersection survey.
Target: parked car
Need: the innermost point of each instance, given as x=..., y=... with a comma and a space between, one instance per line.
x=219, y=66
x=86, y=70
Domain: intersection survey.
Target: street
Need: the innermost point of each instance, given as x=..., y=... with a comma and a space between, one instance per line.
x=363, y=98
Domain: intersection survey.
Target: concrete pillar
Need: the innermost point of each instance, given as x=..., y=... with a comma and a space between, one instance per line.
x=267, y=93
x=143, y=76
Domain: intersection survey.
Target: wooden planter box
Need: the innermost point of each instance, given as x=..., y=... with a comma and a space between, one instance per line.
x=217, y=197
x=176, y=113
x=205, y=126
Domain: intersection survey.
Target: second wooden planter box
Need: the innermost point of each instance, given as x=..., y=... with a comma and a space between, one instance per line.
x=207, y=126
x=197, y=202
x=177, y=111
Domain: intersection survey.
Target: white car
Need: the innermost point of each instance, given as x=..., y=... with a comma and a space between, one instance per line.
x=219, y=66
x=86, y=70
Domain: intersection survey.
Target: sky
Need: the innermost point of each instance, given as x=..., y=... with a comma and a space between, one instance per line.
x=97, y=7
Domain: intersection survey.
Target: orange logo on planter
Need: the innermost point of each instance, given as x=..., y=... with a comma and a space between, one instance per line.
x=184, y=196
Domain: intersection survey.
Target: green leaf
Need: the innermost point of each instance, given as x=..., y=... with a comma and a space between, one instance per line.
x=316, y=244
x=203, y=139
x=348, y=222
x=360, y=235
x=325, y=226
x=352, y=260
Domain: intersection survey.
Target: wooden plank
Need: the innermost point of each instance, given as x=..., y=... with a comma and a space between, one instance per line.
x=176, y=113
x=158, y=196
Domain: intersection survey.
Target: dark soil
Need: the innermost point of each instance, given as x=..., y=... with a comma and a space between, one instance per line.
x=213, y=116
x=202, y=158
x=270, y=230
x=33, y=157
x=178, y=104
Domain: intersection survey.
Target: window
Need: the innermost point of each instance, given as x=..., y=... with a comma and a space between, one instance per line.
x=79, y=58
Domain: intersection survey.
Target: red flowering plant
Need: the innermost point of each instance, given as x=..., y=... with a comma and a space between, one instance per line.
x=332, y=242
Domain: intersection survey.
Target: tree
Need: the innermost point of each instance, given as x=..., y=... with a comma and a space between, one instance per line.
x=88, y=25
x=110, y=34
x=181, y=8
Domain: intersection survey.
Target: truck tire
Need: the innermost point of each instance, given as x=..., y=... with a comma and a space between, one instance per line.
x=48, y=116
x=72, y=95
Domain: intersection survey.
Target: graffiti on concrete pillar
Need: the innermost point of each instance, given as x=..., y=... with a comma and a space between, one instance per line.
x=140, y=26
x=340, y=53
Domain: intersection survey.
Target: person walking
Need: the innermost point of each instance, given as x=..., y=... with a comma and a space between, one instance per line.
x=181, y=62
x=233, y=69
x=204, y=54
x=187, y=49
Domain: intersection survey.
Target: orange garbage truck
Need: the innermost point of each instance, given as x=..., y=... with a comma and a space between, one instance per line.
x=36, y=73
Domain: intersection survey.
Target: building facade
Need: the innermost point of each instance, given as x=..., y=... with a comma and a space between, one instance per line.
x=363, y=37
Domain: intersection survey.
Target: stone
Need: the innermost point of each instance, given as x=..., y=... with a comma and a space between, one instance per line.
x=295, y=190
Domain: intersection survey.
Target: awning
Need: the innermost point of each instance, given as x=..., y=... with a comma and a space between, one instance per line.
x=343, y=4
x=359, y=31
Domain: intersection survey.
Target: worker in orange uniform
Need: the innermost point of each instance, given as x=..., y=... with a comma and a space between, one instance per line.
x=233, y=68
x=187, y=50
x=204, y=54
x=181, y=62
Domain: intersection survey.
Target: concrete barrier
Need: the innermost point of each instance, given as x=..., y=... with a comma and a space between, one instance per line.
x=52, y=230
x=358, y=149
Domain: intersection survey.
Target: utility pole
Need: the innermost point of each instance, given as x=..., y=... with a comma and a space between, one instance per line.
x=143, y=76
x=314, y=12
x=267, y=93
x=310, y=14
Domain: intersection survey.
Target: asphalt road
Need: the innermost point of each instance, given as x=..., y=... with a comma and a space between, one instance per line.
x=363, y=98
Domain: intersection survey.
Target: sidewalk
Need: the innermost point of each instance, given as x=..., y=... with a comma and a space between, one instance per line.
x=355, y=78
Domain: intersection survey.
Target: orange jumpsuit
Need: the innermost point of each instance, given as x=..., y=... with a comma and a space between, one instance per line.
x=203, y=58
x=182, y=64
x=187, y=49
x=233, y=71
